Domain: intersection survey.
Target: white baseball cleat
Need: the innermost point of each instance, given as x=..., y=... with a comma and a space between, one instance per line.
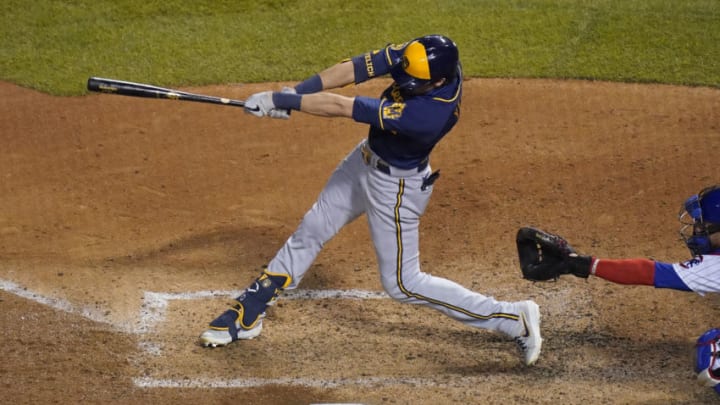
x=529, y=339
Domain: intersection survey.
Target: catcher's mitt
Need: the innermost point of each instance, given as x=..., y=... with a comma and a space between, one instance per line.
x=542, y=254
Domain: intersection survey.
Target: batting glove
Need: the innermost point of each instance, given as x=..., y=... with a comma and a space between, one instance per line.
x=279, y=113
x=259, y=104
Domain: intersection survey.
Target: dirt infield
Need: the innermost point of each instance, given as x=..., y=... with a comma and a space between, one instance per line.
x=127, y=223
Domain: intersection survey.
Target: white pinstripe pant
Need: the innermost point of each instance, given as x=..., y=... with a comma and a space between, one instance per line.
x=393, y=206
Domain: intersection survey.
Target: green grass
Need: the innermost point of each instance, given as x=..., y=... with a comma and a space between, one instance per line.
x=54, y=46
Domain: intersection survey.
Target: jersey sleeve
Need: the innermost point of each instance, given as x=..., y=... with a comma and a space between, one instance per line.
x=699, y=274
x=376, y=63
x=667, y=277
x=367, y=110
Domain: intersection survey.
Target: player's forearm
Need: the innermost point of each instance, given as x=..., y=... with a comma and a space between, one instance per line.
x=322, y=104
x=338, y=75
x=327, y=105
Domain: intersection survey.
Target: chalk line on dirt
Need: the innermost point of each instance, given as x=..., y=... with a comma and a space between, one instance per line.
x=148, y=382
x=154, y=310
x=56, y=303
x=154, y=307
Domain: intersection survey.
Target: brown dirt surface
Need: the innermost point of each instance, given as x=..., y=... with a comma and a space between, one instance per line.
x=127, y=223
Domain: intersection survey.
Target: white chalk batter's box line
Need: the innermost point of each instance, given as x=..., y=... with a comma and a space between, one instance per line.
x=154, y=311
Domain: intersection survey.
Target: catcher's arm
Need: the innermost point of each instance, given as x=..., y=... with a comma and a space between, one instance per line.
x=544, y=256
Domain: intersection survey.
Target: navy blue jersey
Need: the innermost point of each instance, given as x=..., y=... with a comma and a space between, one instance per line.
x=404, y=129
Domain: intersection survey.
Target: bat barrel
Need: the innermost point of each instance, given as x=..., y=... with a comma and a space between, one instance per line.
x=124, y=88
x=127, y=88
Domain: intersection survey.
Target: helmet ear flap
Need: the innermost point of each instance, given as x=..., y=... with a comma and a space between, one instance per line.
x=406, y=82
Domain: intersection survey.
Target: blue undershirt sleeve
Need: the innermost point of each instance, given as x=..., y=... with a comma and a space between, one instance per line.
x=666, y=277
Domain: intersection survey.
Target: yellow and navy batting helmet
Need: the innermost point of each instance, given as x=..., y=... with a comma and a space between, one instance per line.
x=426, y=59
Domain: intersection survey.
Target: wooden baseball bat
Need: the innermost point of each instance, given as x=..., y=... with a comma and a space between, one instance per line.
x=112, y=86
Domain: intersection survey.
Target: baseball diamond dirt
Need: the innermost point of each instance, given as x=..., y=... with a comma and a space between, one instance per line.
x=127, y=223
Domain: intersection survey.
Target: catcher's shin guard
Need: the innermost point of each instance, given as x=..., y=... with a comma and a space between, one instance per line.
x=244, y=319
x=707, y=359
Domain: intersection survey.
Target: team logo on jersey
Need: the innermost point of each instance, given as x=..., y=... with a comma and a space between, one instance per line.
x=397, y=47
x=692, y=262
x=393, y=111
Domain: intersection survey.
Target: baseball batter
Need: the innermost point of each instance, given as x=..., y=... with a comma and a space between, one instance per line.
x=387, y=177
x=700, y=229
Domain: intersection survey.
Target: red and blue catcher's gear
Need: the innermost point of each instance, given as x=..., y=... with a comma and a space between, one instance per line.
x=700, y=217
x=707, y=359
x=704, y=212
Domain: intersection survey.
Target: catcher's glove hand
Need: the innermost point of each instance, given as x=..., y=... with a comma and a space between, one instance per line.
x=544, y=256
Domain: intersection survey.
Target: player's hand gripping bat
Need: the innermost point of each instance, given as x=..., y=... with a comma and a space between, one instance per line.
x=112, y=86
